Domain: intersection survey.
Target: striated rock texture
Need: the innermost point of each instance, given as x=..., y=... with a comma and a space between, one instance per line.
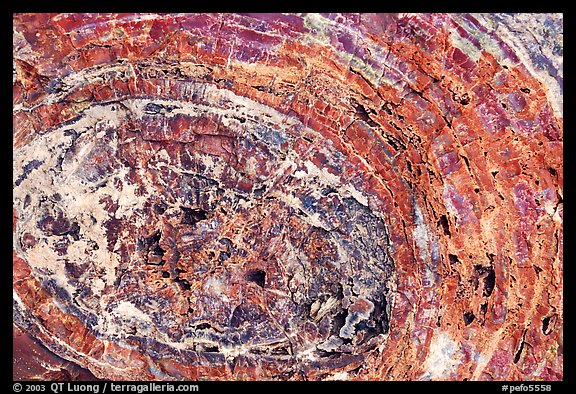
x=289, y=197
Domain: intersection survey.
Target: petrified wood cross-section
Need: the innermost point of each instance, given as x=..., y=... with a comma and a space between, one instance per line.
x=206, y=226
x=218, y=196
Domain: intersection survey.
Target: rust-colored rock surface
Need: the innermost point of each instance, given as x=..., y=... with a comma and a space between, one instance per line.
x=288, y=197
